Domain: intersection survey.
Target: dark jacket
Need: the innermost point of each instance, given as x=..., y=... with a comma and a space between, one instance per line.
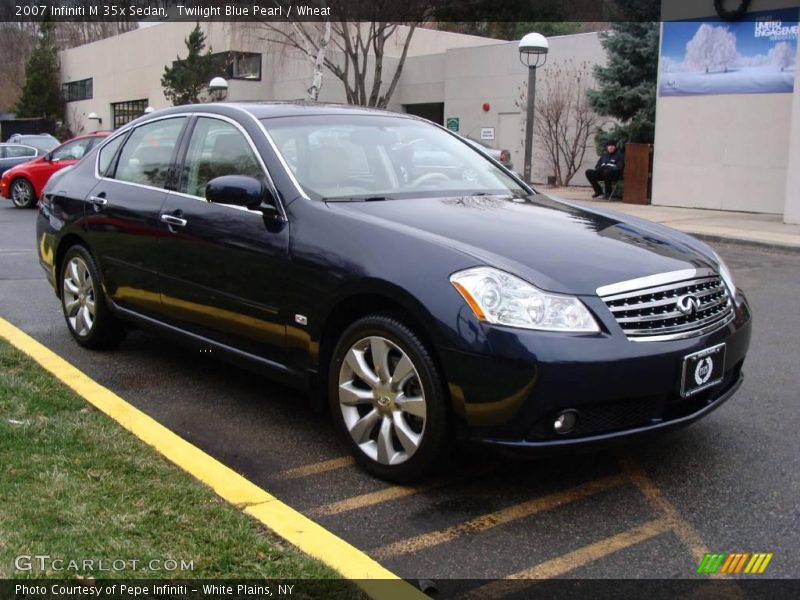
x=611, y=161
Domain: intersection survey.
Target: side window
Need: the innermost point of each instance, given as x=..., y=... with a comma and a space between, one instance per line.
x=19, y=151
x=217, y=148
x=147, y=154
x=72, y=150
x=107, y=154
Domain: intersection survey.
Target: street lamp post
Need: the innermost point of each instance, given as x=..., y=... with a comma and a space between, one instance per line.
x=533, y=54
x=218, y=88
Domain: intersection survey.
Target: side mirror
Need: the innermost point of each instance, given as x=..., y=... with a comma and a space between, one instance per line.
x=240, y=190
x=48, y=157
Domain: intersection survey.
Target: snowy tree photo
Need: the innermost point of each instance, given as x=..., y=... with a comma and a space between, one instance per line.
x=753, y=56
x=782, y=56
x=713, y=48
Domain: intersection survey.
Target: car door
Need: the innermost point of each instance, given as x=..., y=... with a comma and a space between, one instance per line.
x=123, y=211
x=223, y=267
x=65, y=155
x=12, y=155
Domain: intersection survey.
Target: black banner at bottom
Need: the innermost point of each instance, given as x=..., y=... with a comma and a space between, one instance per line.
x=551, y=589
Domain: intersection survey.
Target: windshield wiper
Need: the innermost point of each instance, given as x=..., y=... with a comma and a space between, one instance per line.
x=368, y=199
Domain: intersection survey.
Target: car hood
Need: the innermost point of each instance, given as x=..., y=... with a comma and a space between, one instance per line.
x=557, y=246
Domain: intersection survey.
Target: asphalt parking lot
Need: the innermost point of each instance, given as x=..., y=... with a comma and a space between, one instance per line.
x=729, y=483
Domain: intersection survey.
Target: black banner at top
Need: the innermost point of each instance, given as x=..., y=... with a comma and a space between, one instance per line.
x=403, y=11
x=336, y=10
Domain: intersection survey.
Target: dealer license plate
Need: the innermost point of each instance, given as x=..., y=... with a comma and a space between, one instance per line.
x=702, y=370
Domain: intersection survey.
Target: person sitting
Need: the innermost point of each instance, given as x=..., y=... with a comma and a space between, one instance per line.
x=608, y=170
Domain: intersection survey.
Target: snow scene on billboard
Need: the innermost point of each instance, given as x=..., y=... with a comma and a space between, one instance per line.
x=757, y=56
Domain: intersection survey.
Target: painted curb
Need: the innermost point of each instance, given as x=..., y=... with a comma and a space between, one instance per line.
x=288, y=523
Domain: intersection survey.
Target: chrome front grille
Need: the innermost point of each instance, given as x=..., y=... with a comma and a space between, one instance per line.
x=670, y=305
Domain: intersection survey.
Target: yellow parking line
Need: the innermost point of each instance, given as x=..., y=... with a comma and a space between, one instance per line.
x=570, y=561
x=500, y=517
x=294, y=527
x=316, y=468
x=364, y=500
x=393, y=493
x=683, y=529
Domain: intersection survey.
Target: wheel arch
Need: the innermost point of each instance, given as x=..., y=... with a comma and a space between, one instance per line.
x=360, y=302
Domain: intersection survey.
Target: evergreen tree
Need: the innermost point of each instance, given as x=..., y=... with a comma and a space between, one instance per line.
x=41, y=96
x=188, y=77
x=627, y=84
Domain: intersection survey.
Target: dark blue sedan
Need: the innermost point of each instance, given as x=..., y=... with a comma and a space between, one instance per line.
x=412, y=283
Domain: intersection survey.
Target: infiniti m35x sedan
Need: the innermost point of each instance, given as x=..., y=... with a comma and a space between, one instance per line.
x=425, y=300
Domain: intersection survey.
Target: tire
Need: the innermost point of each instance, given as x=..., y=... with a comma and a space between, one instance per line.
x=89, y=320
x=390, y=435
x=22, y=194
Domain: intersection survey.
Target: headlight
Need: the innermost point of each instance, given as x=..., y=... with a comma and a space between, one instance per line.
x=726, y=274
x=500, y=298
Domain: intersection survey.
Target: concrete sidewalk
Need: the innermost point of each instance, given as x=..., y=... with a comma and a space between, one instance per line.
x=715, y=225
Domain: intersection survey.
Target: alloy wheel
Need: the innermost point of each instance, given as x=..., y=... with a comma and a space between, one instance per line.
x=79, y=297
x=382, y=400
x=21, y=194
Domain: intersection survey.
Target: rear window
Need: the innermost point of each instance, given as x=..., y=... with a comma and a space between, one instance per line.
x=43, y=143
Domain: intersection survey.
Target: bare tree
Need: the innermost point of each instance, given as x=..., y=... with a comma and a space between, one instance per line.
x=317, y=53
x=17, y=39
x=563, y=119
x=71, y=34
x=361, y=47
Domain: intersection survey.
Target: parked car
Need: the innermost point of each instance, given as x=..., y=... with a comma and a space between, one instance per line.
x=44, y=142
x=12, y=155
x=501, y=156
x=311, y=242
x=24, y=183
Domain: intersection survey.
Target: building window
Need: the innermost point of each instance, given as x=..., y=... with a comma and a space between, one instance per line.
x=125, y=112
x=245, y=65
x=234, y=65
x=77, y=90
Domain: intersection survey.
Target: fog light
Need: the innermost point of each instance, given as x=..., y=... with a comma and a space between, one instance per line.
x=565, y=421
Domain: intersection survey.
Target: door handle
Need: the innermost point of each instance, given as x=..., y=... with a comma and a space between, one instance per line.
x=97, y=201
x=175, y=221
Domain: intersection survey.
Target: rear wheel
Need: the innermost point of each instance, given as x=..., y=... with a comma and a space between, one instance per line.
x=388, y=399
x=22, y=194
x=88, y=318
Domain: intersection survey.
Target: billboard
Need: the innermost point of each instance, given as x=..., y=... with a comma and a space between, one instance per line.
x=756, y=56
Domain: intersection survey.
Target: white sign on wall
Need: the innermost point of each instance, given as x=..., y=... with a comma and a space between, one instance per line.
x=487, y=133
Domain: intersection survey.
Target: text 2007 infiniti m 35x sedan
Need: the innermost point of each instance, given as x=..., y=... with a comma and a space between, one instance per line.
x=426, y=299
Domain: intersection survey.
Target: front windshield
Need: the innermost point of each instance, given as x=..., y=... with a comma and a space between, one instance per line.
x=360, y=157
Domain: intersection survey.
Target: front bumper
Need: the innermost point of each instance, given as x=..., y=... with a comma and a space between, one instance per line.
x=619, y=388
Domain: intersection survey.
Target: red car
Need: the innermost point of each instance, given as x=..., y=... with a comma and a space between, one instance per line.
x=24, y=183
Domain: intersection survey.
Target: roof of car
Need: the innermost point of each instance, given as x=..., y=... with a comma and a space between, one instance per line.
x=88, y=135
x=266, y=110
x=32, y=135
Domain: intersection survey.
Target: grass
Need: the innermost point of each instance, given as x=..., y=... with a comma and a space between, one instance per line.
x=74, y=485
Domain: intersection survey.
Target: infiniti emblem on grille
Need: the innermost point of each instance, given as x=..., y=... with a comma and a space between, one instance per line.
x=688, y=305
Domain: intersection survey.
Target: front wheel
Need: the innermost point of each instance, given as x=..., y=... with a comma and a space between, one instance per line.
x=88, y=318
x=388, y=399
x=22, y=194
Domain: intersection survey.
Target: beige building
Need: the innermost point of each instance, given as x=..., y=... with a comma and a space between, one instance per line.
x=731, y=151
x=447, y=77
